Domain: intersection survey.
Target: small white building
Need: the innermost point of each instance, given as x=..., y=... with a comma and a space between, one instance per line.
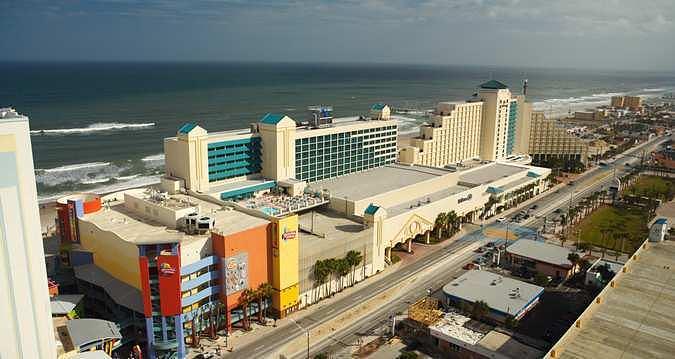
x=659, y=230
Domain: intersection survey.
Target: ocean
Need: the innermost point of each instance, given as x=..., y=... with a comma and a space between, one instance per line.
x=99, y=126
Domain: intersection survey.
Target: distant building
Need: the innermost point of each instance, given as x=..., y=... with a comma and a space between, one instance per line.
x=547, y=259
x=452, y=136
x=27, y=330
x=597, y=147
x=549, y=140
x=505, y=296
x=633, y=103
x=596, y=115
x=380, y=111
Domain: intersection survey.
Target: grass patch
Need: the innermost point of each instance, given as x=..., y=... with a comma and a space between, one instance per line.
x=630, y=224
x=652, y=186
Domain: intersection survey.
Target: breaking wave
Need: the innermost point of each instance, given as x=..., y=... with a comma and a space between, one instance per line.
x=93, y=128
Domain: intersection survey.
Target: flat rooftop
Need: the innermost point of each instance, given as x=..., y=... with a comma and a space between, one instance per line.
x=360, y=185
x=457, y=326
x=504, y=294
x=133, y=227
x=430, y=198
x=489, y=173
x=636, y=318
x=541, y=251
x=344, y=121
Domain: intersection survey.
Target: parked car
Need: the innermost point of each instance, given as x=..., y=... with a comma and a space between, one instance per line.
x=534, y=206
x=479, y=250
x=558, y=210
x=501, y=220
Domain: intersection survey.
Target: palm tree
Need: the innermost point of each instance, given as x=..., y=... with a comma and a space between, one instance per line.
x=320, y=273
x=244, y=300
x=342, y=268
x=331, y=267
x=353, y=259
x=438, y=224
x=452, y=223
x=264, y=292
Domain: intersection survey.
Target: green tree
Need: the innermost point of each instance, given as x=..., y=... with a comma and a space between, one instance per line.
x=244, y=300
x=573, y=258
x=480, y=310
x=510, y=322
x=321, y=273
x=353, y=258
x=540, y=280
x=438, y=224
x=408, y=355
x=265, y=291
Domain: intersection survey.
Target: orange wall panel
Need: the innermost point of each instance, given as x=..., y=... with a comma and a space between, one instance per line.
x=253, y=241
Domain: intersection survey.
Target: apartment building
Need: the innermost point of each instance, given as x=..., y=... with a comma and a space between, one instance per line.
x=633, y=103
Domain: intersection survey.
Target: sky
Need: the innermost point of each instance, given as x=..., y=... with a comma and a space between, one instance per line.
x=594, y=34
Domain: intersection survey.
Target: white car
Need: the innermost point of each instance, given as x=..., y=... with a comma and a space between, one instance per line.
x=501, y=220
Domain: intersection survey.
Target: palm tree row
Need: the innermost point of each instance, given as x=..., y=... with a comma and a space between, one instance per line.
x=448, y=223
x=326, y=269
x=259, y=295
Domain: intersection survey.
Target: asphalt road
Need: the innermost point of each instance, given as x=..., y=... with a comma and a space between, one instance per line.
x=268, y=344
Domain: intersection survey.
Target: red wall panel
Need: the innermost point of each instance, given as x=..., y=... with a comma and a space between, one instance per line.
x=145, y=286
x=168, y=267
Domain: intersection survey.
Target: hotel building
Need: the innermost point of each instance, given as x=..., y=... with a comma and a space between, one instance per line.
x=452, y=136
x=24, y=299
x=500, y=114
x=490, y=126
x=550, y=140
x=239, y=163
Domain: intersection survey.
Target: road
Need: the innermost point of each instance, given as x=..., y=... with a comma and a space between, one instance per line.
x=267, y=345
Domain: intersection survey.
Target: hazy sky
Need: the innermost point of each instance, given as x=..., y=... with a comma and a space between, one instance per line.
x=637, y=34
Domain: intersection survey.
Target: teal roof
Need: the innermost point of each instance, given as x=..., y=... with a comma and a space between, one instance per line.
x=532, y=174
x=272, y=118
x=377, y=106
x=661, y=221
x=187, y=127
x=493, y=85
x=495, y=190
x=372, y=209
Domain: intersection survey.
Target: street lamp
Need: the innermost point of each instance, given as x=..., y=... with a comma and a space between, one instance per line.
x=306, y=331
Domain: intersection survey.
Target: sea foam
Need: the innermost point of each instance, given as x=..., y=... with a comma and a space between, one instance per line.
x=93, y=128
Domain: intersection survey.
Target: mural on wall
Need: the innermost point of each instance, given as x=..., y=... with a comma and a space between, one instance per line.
x=235, y=272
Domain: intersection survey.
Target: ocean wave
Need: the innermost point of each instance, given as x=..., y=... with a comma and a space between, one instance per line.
x=96, y=127
x=654, y=90
x=95, y=180
x=76, y=167
x=152, y=158
x=138, y=181
x=126, y=178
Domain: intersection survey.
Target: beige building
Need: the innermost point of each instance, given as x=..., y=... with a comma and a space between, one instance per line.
x=497, y=100
x=276, y=150
x=596, y=115
x=549, y=139
x=523, y=126
x=452, y=136
x=633, y=103
x=26, y=325
x=396, y=203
